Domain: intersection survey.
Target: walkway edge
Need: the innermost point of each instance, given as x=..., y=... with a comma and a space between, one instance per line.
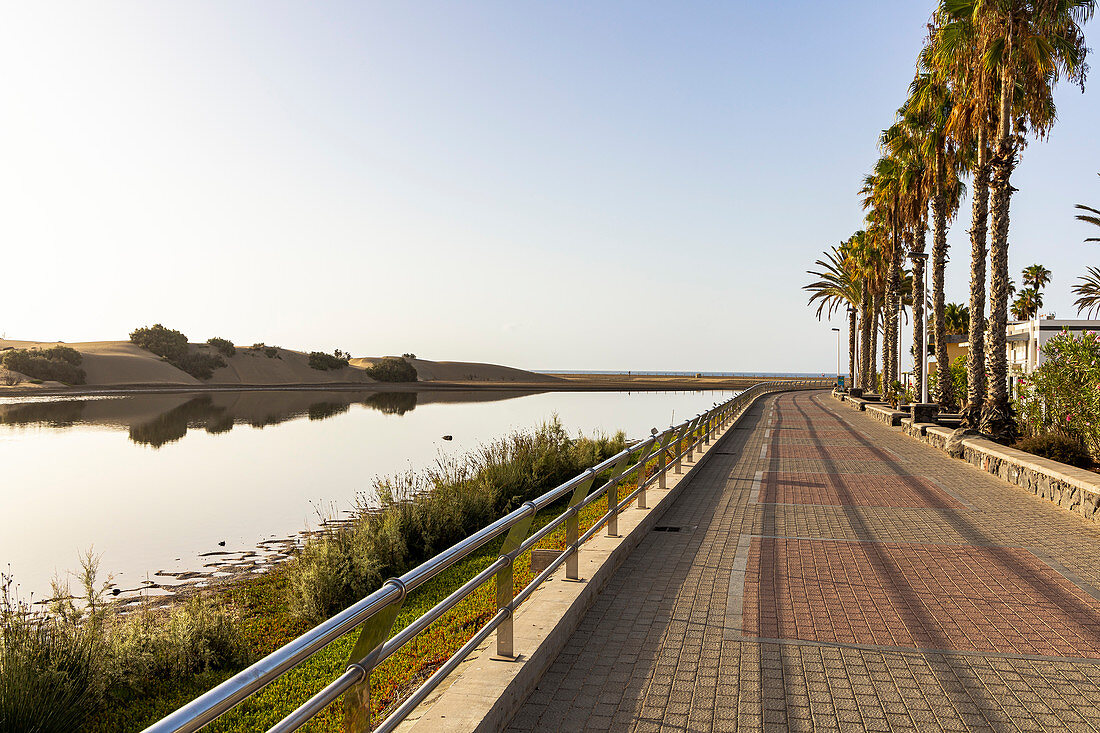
x=485, y=692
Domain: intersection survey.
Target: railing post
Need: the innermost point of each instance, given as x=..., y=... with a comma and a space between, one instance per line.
x=506, y=586
x=677, y=445
x=573, y=526
x=663, y=468
x=373, y=632
x=708, y=424
x=641, y=472
x=613, y=495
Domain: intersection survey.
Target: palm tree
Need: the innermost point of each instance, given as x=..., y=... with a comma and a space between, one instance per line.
x=1089, y=291
x=957, y=318
x=1036, y=276
x=1027, y=304
x=837, y=289
x=954, y=55
x=1023, y=48
x=1093, y=217
x=882, y=195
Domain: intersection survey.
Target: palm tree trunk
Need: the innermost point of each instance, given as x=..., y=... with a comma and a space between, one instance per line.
x=920, y=346
x=997, y=418
x=851, y=347
x=876, y=307
x=975, y=357
x=890, y=315
x=944, y=396
x=865, y=341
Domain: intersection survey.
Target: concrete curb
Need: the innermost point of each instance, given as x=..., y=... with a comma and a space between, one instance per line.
x=484, y=693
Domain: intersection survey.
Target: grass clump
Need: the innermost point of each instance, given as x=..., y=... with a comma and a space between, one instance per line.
x=224, y=346
x=325, y=362
x=420, y=514
x=392, y=369
x=60, y=669
x=58, y=364
x=1057, y=447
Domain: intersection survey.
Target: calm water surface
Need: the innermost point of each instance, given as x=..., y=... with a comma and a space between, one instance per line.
x=152, y=481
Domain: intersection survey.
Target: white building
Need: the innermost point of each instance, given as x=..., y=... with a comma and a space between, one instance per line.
x=1027, y=338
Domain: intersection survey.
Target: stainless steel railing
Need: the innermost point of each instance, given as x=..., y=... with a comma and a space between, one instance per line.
x=375, y=614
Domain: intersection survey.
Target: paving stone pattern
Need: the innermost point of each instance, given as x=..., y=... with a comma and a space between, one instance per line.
x=833, y=574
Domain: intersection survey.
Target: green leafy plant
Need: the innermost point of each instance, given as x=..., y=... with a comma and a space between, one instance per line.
x=325, y=362
x=166, y=342
x=225, y=346
x=392, y=369
x=1062, y=396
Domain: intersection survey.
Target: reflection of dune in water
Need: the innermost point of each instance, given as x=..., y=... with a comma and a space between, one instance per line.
x=156, y=420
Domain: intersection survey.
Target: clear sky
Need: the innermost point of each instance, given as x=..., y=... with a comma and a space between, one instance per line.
x=612, y=185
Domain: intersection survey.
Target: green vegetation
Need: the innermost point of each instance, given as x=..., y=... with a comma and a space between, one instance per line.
x=60, y=669
x=1057, y=447
x=172, y=346
x=1062, y=396
x=164, y=342
x=271, y=352
x=325, y=362
x=269, y=611
x=423, y=514
x=985, y=82
x=958, y=380
x=58, y=364
x=392, y=369
x=225, y=346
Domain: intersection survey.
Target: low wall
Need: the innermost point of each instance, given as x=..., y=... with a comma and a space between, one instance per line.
x=1071, y=488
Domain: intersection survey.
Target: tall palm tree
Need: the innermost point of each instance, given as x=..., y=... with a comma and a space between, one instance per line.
x=1089, y=291
x=837, y=289
x=1024, y=48
x=955, y=56
x=931, y=102
x=882, y=195
x=1092, y=217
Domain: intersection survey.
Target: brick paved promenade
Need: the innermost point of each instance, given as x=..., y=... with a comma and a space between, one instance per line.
x=830, y=573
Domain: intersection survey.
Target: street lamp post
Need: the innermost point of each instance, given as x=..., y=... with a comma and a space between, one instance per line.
x=837, y=355
x=853, y=358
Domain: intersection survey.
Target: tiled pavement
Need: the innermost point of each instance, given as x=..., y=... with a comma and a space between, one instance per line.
x=833, y=574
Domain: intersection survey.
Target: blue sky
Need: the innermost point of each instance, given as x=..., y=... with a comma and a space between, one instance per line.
x=555, y=185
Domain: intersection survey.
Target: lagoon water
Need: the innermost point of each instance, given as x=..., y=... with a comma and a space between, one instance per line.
x=153, y=481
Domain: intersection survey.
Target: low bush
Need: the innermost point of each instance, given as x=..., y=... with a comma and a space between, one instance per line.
x=392, y=369
x=166, y=342
x=325, y=362
x=271, y=352
x=225, y=346
x=421, y=514
x=1057, y=447
x=199, y=365
x=59, y=364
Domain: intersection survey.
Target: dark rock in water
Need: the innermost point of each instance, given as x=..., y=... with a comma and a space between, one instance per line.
x=448, y=437
x=221, y=544
x=115, y=591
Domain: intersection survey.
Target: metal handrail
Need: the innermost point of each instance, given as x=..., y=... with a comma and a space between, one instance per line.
x=375, y=613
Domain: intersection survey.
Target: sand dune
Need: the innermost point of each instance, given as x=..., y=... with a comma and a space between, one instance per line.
x=121, y=363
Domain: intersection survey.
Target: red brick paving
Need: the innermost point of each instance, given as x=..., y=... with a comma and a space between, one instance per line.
x=827, y=453
x=958, y=597
x=850, y=489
